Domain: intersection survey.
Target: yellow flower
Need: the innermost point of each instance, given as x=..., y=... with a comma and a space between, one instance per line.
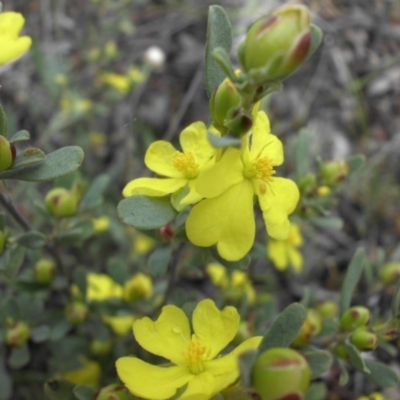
x=140, y=286
x=101, y=224
x=226, y=216
x=119, y=324
x=120, y=83
x=218, y=275
x=101, y=287
x=195, y=357
x=88, y=374
x=285, y=252
x=177, y=169
x=11, y=44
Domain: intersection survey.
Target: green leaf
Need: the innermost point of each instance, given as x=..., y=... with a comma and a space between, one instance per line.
x=344, y=374
x=145, y=212
x=219, y=34
x=223, y=141
x=381, y=374
x=93, y=195
x=15, y=260
x=302, y=153
x=221, y=56
x=83, y=392
x=396, y=304
x=159, y=260
x=327, y=222
x=20, y=136
x=316, y=39
x=3, y=122
x=58, y=163
x=19, y=356
x=317, y=391
x=355, y=163
x=59, y=389
x=285, y=328
x=351, y=279
x=30, y=158
x=319, y=361
x=80, y=279
x=246, y=362
x=355, y=357
x=40, y=333
x=32, y=240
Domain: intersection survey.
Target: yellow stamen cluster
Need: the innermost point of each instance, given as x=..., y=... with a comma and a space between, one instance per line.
x=195, y=355
x=261, y=168
x=186, y=163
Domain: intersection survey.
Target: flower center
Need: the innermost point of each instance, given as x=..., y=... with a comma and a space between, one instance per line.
x=261, y=168
x=195, y=355
x=186, y=163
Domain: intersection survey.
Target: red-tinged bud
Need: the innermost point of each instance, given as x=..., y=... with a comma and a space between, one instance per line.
x=17, y=333
x=61, y=202
x=166, y=233
x=7, y=154
x=311, y=327
x=224, y=98
x=115, y=391
x=334, y=172
x=76, y=312
x=101, y=347
x=276, y=45
x=238, y=121
x=44, y=270
x=281, y=373
x=390, y=273
x=364, y=339
x=354, y=317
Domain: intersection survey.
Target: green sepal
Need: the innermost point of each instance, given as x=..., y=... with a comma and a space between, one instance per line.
x=316, y=40
x=219, y=34
x=27, y=159
x=144, y=212
x=355, y=358
x=285, y=328
x=221, y=56
x=19, y=356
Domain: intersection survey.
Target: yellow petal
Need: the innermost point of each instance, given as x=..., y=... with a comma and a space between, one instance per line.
x=249, y=344
x=226, y=220
x=278, y=201
x=200, y=387
x=295, y=258
x=88, y=374
x=224, y=174
x=263, y=143
x=194, y=139
x=167, y=337
x=13, y=49
x=160, y=159
x=120, y=325
x=150, y=381
x=153, y=186
x=277, y=254
x=214, y=328
x=11, y=24
x=192, y=197
x=217, y=274
x=295, y=235
x=101, y=287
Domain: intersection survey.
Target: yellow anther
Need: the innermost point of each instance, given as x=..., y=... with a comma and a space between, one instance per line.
x=195, y=355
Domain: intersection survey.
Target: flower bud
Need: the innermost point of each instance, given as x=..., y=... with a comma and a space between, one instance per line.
x=307, y=183
x=101, y=347
x=311, y=327
x=166, y=232
x=354, y=317
x=340, y=351
x=238, y=121
x=76, y=312
x=328, y=309
x=224, y=98
x=17, y=333
x=44, y=270
x=7, y=154
x=390, y=272
x=115, y=391
x=61, y=202
x=280, y=373
x=364, y=339
x=334, y=172
x=276, y=45
x=138, y=287
x=2, y=242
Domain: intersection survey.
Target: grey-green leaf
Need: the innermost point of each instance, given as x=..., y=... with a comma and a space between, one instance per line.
x=58, y=163
x=83, y=392
x=285, y=328
x=59, y=389
x=19, y=356
x=223, y=141
x=302, y=153
x=3, y=122
x=317, y=391
x=27, y=159
x=32, y=240
x=355, y=357
x=219, y=34
x=319, y=361
x=159, y=260
x=351, y=279
x=93, y=195
x=381, y=374
x=20, y=136
x=355, y=163
x=145, y=212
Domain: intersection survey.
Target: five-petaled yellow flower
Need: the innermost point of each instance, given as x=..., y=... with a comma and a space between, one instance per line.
x=195, y=357
x=226, y=216
x=12, y=45
x=285, y=252
x=175, y=169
